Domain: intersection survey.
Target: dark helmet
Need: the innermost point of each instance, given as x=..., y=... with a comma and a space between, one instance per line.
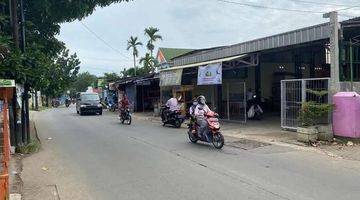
x=201, y=100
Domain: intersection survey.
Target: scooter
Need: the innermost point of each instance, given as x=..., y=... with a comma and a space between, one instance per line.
x=125, y=116
x=67, y=103
x=214, y=135
x=55, y=103
x=175, y=118
x=112, y=107
x=255, y=111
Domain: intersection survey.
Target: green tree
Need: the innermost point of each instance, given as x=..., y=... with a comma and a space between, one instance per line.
x=44, y=52
x=153, y=36
x=148, y=63
x=111, y=77
x=132, y=44
x=83, y=81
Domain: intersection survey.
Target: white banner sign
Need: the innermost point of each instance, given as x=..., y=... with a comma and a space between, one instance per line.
x=210, y=74
x=171, y=77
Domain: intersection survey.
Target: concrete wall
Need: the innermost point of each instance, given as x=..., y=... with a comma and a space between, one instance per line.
x=267, y=78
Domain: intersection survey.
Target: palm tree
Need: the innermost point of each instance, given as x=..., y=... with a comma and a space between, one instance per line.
x=148, y=63
x=153, y=37
x=132, y=44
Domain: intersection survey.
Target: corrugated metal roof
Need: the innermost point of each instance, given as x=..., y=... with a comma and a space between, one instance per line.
x=204, y=63
x=299, y=36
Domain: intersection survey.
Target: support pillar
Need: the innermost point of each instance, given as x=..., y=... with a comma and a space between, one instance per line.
x=334, y=52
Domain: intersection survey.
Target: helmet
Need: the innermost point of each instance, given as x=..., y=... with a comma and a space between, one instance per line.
x=201, y=100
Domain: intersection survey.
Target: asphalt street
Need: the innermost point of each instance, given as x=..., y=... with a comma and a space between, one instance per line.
x=148, y=161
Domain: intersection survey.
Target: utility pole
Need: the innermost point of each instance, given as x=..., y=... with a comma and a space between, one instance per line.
x=13, y=4
x=351, y=67
x=26, y=85
x=334, y=52
x=14, y=22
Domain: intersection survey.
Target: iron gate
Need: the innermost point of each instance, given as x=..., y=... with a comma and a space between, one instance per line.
x=296, y=91
x=234, y=101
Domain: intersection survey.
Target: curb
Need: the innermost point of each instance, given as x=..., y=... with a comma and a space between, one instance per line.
x=36, y=132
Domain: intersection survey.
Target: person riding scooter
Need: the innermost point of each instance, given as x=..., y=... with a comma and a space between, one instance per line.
x=200, y=112
x=67, y=102
x=124, y=110
x=124, y=103
x=173, y=105
x=192, y=114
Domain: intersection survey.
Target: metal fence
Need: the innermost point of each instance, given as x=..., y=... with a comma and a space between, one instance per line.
x=234, y=102
x=295, y=92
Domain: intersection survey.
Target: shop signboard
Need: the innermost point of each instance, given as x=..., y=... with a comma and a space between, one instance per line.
x=171, y=77
x=7, y=83
x=210, y=74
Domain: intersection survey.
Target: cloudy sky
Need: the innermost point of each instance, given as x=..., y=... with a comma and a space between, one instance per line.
x=100, y=39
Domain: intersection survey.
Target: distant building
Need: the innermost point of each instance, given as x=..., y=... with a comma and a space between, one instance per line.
x=165, y=56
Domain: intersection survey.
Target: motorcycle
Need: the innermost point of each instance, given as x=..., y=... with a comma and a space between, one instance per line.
x=112, y=107
x=214, y=135
x=125, y=116
x=174, y=118
x=67, y=103
x=55, y=103
x=255, y=111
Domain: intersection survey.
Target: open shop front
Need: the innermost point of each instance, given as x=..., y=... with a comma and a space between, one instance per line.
x=221, y=81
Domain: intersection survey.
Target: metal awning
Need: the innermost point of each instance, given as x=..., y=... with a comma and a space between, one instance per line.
x=205, y=63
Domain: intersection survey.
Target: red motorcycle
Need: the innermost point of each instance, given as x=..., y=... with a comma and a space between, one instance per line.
x=214, y=135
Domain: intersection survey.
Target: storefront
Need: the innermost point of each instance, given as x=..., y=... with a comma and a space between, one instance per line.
x=219, y=81
x=142, y=92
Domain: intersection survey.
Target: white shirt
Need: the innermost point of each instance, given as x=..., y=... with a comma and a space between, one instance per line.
x=201, y=110
x=173, y=104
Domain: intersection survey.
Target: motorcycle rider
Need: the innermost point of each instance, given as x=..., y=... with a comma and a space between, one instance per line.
x=124, y=104
x=200, y=112
x=173, y=105
x=67, y=101
x=192, y=113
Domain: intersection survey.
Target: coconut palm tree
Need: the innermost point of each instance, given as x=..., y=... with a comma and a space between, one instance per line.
x=151, y=32
x=148, y=63
x=132, y=44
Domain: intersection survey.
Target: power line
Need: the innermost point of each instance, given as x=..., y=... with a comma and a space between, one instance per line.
x=271, y=8
x=348, y=8
x=322, y=3
x=286, y=9
x=102, y=40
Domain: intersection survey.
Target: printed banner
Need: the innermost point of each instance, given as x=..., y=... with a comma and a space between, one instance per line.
x=210, y=74
x=171, y=77
x=7, y=83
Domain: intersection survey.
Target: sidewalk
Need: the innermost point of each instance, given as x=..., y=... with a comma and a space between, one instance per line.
x=269, y=131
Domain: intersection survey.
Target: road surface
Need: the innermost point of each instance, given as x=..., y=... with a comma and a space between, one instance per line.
x=95, y=157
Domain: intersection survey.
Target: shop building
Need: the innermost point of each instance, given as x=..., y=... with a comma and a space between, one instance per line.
x=279, y=69
x=143, y=92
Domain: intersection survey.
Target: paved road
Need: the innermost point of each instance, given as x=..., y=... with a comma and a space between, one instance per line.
x=107, y=160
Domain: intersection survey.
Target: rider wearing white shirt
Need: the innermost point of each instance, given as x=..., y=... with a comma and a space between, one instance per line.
x=200, y=112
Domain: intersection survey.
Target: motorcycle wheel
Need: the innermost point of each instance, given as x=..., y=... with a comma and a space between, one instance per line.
x=218, y=140
x=177, y=124
x=129, y=120
x=192, y=138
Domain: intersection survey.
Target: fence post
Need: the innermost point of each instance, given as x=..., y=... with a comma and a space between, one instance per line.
x=282, y=101
x=245, y=102
x=303, y=91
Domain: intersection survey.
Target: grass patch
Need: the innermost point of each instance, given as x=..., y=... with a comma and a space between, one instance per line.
x=32, y=147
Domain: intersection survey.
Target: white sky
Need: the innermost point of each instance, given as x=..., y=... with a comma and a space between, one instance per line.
x=184, y=24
